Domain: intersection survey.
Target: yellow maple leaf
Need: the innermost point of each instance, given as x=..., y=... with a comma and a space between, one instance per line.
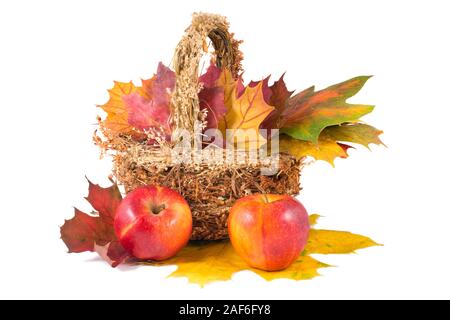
x=305, y=268
x=336, y=242
x=245, y=115
x=203, y=263
x=229, y=85
x=313, y=218
x=326, y=149
x=206, y=262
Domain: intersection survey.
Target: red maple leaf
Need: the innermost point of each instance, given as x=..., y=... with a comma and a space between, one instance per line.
x=95, y=231
x=211, y=97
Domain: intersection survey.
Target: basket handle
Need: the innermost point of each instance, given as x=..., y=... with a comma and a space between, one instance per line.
x=189, y=51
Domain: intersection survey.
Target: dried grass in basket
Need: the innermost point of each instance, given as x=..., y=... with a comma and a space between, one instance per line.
x=210, y=189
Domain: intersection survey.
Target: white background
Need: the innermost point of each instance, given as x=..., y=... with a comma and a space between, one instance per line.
x=58, y=58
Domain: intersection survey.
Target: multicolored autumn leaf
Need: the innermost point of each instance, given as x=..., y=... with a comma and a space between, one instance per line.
x=116, y=109
x=279, y=95
x=330, y=144
x=359, y=133
x=308, y=113
x=135, y=110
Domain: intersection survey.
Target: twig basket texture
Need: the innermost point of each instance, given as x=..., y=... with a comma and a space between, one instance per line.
x=210, y=189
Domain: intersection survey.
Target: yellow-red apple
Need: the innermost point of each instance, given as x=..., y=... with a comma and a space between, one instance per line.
x=268, y=231
x=153, y=223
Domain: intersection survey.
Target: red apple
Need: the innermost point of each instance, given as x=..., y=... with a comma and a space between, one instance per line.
x=268, y=231
x=153, y=223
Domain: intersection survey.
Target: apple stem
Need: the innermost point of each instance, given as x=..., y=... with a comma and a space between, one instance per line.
x=155, y=209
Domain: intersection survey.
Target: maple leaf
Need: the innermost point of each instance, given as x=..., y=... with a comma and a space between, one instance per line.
x=212, y=97
x=203, y=263
x=131, y=108
x=159, y=87
x=116, y=110
x=144, y=113
x=218, y=262
x=308, y=113
x=151, y=108
x=82, y=232
x=330, y=146
x=95, y=232
x=113, y=253
x=232, y=88
x=336, y=242
x=218, y=97
x=278, y=99
x=313, y=218
x=211, y=77
x=359, y=133
x=223, y=79
x=247, y=112
x=325, y=149
x=280, y=93
x=266, y=90
x=212, y=100
x=104, y=200
x=304, y=268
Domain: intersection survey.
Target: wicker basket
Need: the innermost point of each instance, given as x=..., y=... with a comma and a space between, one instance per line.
x=210, y=189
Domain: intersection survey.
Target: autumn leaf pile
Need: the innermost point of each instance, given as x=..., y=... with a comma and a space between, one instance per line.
x=320, y=124
x=201, y=262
